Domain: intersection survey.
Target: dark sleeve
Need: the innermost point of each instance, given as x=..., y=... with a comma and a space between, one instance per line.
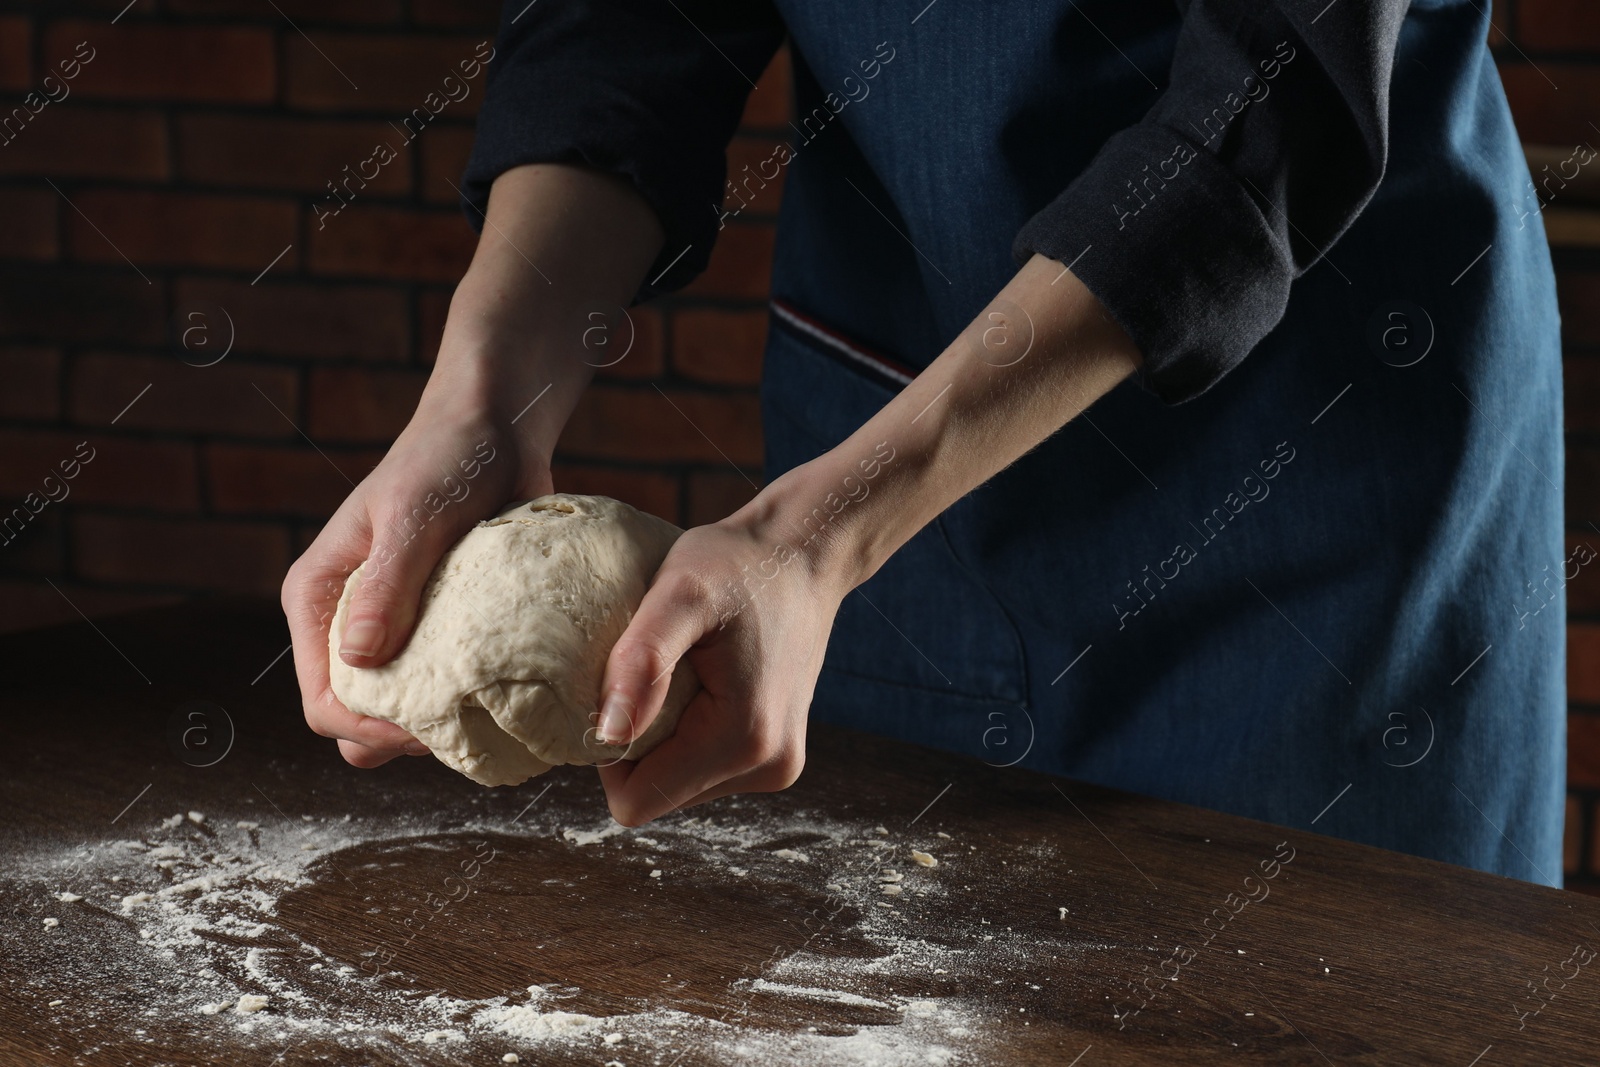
x=1269, y=140
x=648, y=89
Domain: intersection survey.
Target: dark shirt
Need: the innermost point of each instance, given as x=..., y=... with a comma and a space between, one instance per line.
x=1194, y=253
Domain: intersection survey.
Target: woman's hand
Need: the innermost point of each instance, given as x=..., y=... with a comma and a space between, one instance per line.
x=453, y=466
x=751, y=612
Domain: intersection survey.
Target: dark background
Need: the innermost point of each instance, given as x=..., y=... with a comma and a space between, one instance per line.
x=192, y=150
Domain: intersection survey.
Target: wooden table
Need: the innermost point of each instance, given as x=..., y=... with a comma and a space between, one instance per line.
x=400, y=916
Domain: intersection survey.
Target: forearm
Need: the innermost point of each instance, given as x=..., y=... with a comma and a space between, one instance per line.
x=558, y=243
x=1042, y=352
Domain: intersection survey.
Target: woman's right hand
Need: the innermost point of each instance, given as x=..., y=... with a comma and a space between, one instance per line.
x=453, y=465
x=519, y=347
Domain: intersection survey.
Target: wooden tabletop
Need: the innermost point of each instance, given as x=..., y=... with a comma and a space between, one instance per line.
x=173, y=841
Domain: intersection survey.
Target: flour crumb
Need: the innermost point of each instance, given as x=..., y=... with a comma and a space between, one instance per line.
x=792, y=856
x=924, y=859
x=251, y=1003
x=1063, y=912
x=246, y=824
x=57, y=1003
x=443, y=1035
x=656, y=873
x=132, y=899
x=511, y=1057
x=944, y=835
x=172, y=823
x=879, y=830
x=197, y=817
x=68, y=898
x=217, y=1008
x=889, y=874
x=892, y=889
x=613, y=1039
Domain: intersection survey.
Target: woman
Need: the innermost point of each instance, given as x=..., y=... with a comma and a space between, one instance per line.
x=1289, y=586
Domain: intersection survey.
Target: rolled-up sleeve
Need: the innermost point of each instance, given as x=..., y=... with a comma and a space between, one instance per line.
x=651, y=90
x=1270, y=138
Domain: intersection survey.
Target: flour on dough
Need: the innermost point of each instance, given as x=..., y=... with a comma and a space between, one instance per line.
x=503, y=671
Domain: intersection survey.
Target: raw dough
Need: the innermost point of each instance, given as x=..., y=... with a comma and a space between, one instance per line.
x=503, y=672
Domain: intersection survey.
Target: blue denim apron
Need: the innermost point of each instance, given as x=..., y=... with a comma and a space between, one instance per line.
x=1317, y=595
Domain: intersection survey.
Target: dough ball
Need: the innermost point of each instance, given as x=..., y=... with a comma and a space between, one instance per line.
x=503, y=672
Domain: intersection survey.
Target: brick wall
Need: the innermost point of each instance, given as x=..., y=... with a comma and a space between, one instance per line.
x=181, y=175
x=1549, y=56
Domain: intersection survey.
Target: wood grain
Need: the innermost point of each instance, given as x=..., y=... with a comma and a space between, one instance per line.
x=1188, y=936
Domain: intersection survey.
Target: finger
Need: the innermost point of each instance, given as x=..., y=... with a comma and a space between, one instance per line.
x=706, y=757
x=408, y=540
x=358, y=755
x=674, y=614
x=310, y=594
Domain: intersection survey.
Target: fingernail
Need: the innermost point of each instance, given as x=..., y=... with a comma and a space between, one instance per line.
x=416, y=748
x=362, y=638
x=616, y=719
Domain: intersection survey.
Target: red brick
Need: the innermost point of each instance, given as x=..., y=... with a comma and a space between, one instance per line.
x=741, y=264
x=122, y=471
x=32, y=378
x=677, y=426
x=1579, y=295
x=1583, y=750
x=1583, y=664
x=382, y=242
x=649, y=491
x=395, y=74
x=80, y=305
x=210, y=554
x=298, y=319
x=1581, y=379
x=757, y=177
x=1583, y=483
x=28, y=223
x=32, y=544
x=223, y=399
x=1545, y=114
x=719, y=346
x=16, y=41
x=644, y=360
x=1572, y=836
x=1583, y=591
x=477, y=14
x=172, y=228
x=143, y=61
x=362, y=405
x=1558, y=25
x=770, y=103
x=85, y=141
x=28, y=605
x=283, y=481
x=714, y=495
x=301, y=154
x=444, y=157
x=303, y=12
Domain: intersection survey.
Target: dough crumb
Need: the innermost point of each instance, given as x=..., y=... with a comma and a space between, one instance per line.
x=944, y=835
x=924, y=859
x=834, y=887
x=1063, y=912
x=892, y=889
x=511, y=1057
x=879, y=830
x=656, y=873
x=217, y=1008
x=442, y=1035
x=889, y=874
x=197, y=816
x=613, y=1039
x=246, y=824
x=68, y=898
x=51, y=923
x=134, y=898
x=57, y=1003
x=792, y=856
x=172, y=823
x=251, y=1003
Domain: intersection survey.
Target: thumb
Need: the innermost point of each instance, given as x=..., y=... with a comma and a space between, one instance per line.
x=405, y=549
x=674, y=614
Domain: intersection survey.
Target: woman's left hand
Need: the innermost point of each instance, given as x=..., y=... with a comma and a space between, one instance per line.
x=752, y=614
